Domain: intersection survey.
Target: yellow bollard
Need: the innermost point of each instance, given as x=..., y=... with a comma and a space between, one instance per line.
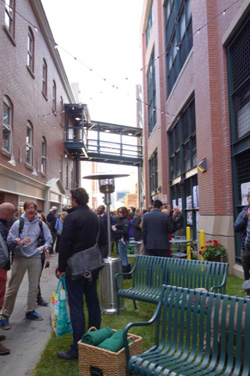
x=202, y=240
x=188, y=236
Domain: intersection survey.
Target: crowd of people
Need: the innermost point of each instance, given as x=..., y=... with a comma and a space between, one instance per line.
x=32, y=237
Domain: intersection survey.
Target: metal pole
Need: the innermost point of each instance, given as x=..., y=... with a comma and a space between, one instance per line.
x=107, y=202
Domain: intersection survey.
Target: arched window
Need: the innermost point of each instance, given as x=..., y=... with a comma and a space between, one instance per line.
x=61, y=169
x=44, y=79
x=54, y=97
x=29, y=143
x=30, y=50
x=10, y=16
x=61, y=111
x=44, y=157
x=7, y=124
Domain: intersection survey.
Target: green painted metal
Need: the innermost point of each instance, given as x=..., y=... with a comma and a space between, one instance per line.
x=150, y=273
x=196, y=333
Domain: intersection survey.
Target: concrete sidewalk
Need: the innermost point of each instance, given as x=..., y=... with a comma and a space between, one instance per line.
x=27, y=339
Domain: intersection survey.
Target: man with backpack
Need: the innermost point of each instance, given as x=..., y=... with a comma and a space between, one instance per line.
x=27, y=257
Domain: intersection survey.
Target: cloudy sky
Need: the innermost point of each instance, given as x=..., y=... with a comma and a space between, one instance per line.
x=104, y=36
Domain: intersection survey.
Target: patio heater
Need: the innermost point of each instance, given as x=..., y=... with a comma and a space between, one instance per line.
x=111, y=265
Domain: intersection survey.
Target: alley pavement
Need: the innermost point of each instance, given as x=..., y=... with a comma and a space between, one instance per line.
x=27, y=339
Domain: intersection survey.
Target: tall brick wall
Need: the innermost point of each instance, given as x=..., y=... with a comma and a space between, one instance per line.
x=25, y=92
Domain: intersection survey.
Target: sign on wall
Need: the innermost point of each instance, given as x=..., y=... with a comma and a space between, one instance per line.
x=245, y=188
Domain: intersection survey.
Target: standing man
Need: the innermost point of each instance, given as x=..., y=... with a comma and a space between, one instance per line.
x=137, y=229
x=103, y=217
x=51, y=219
x=7, y=211
x=240, y=225
x=80, y=230
x=155, y=228
x=177, y=219
x=27, y=258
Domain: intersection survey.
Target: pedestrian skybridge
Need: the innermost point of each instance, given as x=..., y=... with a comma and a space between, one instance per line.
x=90, y=140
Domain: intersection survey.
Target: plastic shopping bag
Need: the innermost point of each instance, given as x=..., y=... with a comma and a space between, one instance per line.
x=59, y=317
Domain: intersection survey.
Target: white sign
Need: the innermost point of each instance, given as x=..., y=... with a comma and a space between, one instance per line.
x=245, y=189
x=164, y=199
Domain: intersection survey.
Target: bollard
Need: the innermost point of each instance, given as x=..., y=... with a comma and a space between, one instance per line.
x=202, y=241
x=188, y=236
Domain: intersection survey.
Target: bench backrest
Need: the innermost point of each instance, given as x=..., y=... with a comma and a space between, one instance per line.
x=195, y=273
x=210, y=327
x=151, y=271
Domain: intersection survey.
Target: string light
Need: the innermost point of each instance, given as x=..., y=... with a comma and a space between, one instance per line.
x=177, y=46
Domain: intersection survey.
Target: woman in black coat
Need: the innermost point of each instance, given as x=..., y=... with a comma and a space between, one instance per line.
x=121, y=229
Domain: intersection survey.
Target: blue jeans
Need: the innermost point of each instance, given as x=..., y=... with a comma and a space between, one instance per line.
x=123, y=252
x=76, y=290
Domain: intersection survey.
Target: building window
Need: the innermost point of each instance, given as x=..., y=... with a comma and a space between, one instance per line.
x=7, y=124
x=61, y=111
x=182, y=143
x=54, y=97
x=150, y=23
x=44, y=157
x=239, y=109
x=29, y=144
x=45, y=78
x=153, y=173
x=61, y=169
x=178, y=36
x=10, y=16
x=30, y=51
x=151, y=94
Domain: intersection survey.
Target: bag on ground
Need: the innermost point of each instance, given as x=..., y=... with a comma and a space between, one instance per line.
x=59, y=317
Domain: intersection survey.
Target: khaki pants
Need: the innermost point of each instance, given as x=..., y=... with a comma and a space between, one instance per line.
x=20, y=266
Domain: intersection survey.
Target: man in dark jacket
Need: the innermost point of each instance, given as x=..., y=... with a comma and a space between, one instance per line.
x=155, y=228
x=51, y=220
x=240, y=225
x=80, y=230
x=7, y=211
x=137, y=230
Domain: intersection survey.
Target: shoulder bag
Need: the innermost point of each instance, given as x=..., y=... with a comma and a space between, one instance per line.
x=82, y=264
x=4, y=254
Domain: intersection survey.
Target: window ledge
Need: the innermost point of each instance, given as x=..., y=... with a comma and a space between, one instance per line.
x=29, y=166
x=45, y=96
x=30, y=71
x=6, y=152
x=10, y=36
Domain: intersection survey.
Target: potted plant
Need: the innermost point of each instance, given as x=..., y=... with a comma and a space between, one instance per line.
x=213, y=251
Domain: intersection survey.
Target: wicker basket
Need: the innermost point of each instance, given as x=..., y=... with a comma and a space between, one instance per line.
x=100, y=362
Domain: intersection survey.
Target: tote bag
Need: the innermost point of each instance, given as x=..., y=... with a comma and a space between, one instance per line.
x=59, y=317
x=4, y=254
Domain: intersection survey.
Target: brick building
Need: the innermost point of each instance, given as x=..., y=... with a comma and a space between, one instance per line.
x=34, y=90
x=196, y=85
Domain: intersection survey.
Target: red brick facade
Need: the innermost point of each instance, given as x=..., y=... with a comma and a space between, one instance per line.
x=24, y=89
x=202, y=77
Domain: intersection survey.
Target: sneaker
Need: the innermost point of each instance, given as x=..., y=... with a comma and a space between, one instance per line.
x=33, y=315
x=4, y=324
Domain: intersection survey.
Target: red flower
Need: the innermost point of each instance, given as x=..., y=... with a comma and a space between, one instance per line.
x=215, y=243
x=200, y=252
x=207, y=246
x=202, y=247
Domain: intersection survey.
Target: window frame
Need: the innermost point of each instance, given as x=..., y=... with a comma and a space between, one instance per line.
x=7, y=126
x=54, y=97
x=9, y=17
x=43, y=166
x=31, y=51
x=45, y=78
x=29, y=144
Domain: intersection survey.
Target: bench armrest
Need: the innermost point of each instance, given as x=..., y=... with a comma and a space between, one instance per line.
x=143, y=323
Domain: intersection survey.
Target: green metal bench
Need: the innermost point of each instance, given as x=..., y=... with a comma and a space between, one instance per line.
x=196, y=333
x=150, y=273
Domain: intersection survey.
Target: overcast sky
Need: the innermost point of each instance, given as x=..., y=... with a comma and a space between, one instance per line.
x=104, y=36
